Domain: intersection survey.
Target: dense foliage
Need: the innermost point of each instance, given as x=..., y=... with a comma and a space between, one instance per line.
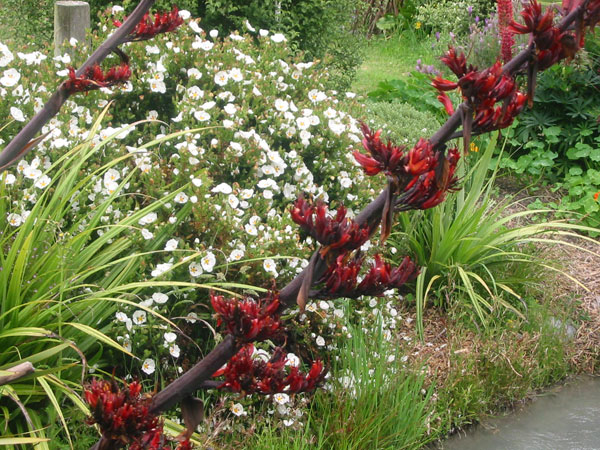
x=455, y=17
x=559, y=139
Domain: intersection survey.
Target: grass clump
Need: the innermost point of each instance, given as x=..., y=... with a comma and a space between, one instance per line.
x=490, y=372
x=472, y=254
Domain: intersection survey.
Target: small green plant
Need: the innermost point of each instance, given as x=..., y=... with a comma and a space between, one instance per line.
x=404, y=19
x=415, y=90
x=558, y=140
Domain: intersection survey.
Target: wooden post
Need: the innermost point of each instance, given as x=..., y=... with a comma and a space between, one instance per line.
x=71, y=19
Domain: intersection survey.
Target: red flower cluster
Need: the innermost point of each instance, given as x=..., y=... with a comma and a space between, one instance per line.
x=456, y=63
x=429, y=189
x=422, y=175
x=382, y=277
x=247, y=374
x=248, y=319
x=401, y=167
x=384, y=157
x=341, y=277
x=94, y=78
x=333, y=233
x=393, y=160
x=552, y=45
x=146, y=29
x=123, y=415
x=483, y=90
x=505, y=17
x=421, y=158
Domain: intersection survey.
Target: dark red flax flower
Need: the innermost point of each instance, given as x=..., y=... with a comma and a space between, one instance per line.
x=123, y=415
x=249, y=373
x=147, y=28
x=383, y=157
x=94, y=78
x=337, y=232
x=248, y=319
x=341, y=277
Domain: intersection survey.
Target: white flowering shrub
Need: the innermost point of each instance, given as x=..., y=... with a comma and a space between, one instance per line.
x=260, y=128
x=455, y=17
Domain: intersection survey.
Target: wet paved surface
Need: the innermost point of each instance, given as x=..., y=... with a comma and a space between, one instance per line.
x=567, y=418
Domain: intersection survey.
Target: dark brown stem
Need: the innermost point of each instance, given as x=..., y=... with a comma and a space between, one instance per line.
x=189, y=382
x=17, y=147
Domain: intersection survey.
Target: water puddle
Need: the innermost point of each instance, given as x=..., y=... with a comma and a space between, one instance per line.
x=567, y=417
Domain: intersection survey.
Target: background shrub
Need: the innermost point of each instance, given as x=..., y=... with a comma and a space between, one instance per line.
x=560, y=137
x=318, y=28
x=401, y=122
x=27, y=21
x=315, y=27
x=415, y=90
x=450, y=16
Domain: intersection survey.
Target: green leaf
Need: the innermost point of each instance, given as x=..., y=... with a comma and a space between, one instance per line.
x=45, y=354
x=21, y=440
x=580, y=150
x=25, y=331
x=595, y=154
x=387, y=22
x=57, y=408
x=99, y=336
x=552, y=134
x=594, y=176
x=575, y=171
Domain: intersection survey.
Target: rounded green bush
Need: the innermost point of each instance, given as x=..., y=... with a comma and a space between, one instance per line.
x=401, y=122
